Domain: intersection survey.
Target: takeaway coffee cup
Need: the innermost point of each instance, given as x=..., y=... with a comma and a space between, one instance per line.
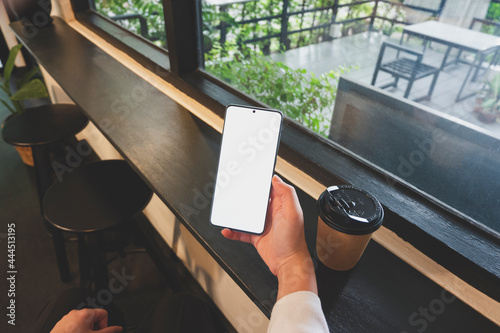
x=347, y=218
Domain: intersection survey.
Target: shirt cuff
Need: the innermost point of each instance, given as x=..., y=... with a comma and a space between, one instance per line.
x=298, y=312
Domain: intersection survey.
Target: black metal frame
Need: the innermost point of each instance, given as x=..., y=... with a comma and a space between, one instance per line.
x=407, y=69
x=142, y=21
x=309, y=152
x=475, y=66
x=481, y=57
x=182, y=35
x=285, y=16
x=487, y=22
x=476, y=20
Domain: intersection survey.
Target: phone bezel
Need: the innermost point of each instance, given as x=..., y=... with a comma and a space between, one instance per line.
x=274, y=165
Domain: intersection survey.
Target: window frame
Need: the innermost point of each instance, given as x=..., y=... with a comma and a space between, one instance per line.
x=406, y=208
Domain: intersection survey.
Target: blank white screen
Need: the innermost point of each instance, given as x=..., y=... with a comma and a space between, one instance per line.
x=246, y=166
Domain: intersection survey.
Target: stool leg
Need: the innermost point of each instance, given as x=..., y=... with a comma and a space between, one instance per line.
x=83, y=261
x=98, y=262
x=42, y=171
x=43, y=179
x=60, y=249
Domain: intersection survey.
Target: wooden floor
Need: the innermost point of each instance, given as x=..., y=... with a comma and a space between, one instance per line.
x=360, y=52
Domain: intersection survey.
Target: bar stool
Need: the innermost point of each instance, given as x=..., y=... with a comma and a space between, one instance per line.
x=39, y=128
x=95, y=198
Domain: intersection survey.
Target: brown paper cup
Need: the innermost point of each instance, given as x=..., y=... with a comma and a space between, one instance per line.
x=337, y=250
x=348, y=216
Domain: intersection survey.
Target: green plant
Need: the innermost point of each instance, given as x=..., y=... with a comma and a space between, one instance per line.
x=302, y=96
x=491, y=95
x=493, y=11
x=354, y=12
x=393, y=10
x=151, y=10
x=314, y=16
x=28, y=86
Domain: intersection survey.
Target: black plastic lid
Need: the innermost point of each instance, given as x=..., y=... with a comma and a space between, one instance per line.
x=350, y=210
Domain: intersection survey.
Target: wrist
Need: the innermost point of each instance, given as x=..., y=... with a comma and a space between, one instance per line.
x=296, y=274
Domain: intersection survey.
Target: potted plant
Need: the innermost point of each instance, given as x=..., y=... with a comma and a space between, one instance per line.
x=488, y=100
x=28, y=87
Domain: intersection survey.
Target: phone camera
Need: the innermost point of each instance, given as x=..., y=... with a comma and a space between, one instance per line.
x=253, y=111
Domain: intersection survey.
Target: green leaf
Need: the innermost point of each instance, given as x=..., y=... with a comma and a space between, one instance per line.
x=495, y=85
x=7, y=106
x=9, y=65
x=488, y=103
x=27, y=77
x=2, y=86
x=33, y=89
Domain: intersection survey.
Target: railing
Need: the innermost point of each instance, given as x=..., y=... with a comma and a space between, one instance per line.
x=487, y=26
x=435, y=13
x=328, y=9
x=128, y=17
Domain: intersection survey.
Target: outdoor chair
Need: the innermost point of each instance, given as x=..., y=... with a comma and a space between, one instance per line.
x=407, y=68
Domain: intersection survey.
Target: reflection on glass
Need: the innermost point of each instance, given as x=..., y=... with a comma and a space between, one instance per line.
x=144, y=18
x=290, y=54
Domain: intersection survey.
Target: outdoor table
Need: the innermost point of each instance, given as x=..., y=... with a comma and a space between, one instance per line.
x=451, y=36
x=175, y=153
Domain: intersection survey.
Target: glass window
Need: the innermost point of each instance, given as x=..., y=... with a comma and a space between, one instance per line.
x=143, y=17
x=290, y=54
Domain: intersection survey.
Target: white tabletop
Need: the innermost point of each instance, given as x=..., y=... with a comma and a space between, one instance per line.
x=455, y=36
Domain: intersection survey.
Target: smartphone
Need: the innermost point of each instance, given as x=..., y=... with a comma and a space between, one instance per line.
x=250, y=141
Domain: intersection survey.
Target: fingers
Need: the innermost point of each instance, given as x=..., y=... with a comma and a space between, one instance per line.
x=111, y=329
x=277, y=187
x=280, y=186
x=85, y=320
x=238, y=236
x=228, y=233
x=100, y=318
x=286, y=193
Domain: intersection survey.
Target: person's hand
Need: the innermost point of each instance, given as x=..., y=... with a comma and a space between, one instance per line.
x=282, y=246
x=86, y=320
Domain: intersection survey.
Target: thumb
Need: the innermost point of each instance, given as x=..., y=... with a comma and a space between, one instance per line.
x=285, y=194
x=277, y=184
x=277, y=179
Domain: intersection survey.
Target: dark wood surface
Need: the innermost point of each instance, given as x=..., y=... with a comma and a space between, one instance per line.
x=95, y=197
x=44, y=125
x=150, y=54
x=450, y=149
x=176, y=153
x=426, y=225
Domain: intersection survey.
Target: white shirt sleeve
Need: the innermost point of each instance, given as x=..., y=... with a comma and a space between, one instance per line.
x=298, y=312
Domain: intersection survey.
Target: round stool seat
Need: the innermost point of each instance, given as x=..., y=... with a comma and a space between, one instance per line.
x=95, y=197
x=39, y=128
x=44, y=125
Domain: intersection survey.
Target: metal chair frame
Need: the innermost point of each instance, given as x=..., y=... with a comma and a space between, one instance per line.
x=403, y=67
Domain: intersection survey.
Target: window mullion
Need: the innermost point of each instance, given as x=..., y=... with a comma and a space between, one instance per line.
x=182, y=35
